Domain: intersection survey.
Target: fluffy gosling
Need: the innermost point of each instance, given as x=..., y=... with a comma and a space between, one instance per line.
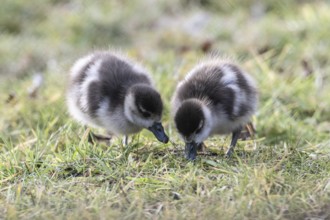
x=108, y=90
x=216, y=97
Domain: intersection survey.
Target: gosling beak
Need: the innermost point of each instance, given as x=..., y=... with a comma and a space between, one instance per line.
x=191, y=150
x=158, y=130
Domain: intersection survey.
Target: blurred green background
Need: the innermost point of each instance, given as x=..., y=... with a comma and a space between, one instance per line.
x=49, y=171
x=47, y=35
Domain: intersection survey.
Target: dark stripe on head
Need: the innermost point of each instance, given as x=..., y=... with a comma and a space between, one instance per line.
x=148, y=99
x=189, y=117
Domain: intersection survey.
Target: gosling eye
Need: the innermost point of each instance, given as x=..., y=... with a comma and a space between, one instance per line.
x=146, y=114
x=198, y=130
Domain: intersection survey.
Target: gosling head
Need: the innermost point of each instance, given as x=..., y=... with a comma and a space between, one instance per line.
x=143, y=107
x=193, y=121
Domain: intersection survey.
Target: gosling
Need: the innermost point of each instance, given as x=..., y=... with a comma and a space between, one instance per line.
x=216, y=97
x=108, y=90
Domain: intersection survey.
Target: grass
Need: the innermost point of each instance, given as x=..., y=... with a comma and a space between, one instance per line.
x=48, y=170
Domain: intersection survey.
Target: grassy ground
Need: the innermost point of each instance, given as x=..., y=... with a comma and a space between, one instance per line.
x=48, y=170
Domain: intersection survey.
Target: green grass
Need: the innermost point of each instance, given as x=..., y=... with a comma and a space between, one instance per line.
x=48, y=170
